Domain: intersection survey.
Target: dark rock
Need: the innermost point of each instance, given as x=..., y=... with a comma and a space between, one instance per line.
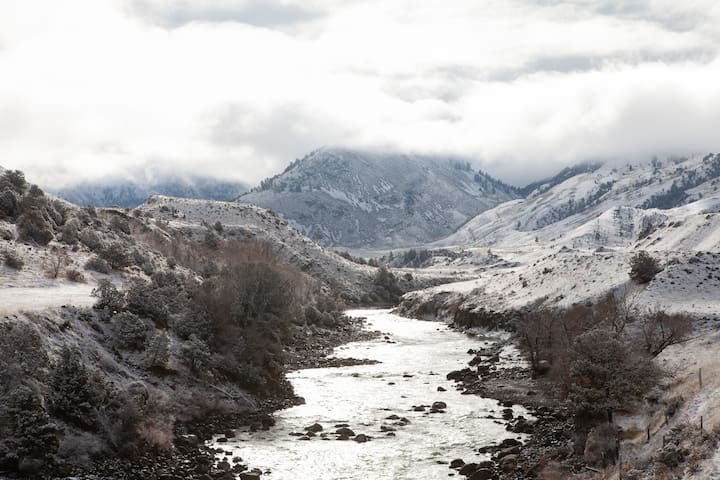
x=345, y=431
x=314, y=428
x=361, y=438
x=439, y=405
x=468, y=469
x=187, y=441
x=510, y=442
x=457, y=463
x=508, y=451
x=250, y=476
x=509, y=463
x=481, y=474
x=441, y=389
x=224, y=466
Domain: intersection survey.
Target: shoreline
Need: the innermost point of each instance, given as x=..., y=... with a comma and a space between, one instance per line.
x=510, y=386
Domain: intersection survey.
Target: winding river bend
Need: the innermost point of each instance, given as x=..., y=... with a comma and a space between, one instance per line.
x=414, y=361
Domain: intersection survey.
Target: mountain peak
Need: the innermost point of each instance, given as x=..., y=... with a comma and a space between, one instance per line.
x=354, y=198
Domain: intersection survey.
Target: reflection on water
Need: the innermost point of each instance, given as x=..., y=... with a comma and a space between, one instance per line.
x=364, y=396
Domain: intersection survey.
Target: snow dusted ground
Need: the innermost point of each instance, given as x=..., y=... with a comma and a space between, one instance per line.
x=15, y=299
x=30, y=289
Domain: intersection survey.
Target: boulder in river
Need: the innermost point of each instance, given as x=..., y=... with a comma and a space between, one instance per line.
x=250, y=476
x=361, y=438
x=345, y=431
x=314, y=428
x=439, y=405
x=457, y=463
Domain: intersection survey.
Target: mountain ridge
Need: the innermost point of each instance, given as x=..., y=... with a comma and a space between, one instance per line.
x=350, y=198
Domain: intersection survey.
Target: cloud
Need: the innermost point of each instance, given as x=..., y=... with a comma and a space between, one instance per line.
x=262, y=13
x=240, y=88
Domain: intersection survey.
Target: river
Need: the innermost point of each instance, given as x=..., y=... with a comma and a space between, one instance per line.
x=412, y=368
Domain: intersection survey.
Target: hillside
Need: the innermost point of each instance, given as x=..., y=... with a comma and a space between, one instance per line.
x=122, y=332
x=613, y=205
x=349, y=198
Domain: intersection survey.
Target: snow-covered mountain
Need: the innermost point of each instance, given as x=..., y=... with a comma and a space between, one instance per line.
x=364, y=199
x=606, y=206
x=131, y=192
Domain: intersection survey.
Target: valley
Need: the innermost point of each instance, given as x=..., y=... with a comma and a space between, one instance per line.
x=175, y=273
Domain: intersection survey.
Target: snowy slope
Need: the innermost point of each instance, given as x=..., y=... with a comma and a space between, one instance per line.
x=249, y=221
x=609, y=205
x=362, y=199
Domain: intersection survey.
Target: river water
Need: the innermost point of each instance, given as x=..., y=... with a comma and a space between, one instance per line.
x=411, y=370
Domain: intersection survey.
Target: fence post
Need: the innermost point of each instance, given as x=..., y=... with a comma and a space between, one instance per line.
x=648, y=434
x=700, y=377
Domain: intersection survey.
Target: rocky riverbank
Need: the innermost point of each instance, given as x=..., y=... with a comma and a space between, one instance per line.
x=549, y=438
x=190, y=457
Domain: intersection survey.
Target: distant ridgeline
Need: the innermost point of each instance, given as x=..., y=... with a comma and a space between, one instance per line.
x=123, y=192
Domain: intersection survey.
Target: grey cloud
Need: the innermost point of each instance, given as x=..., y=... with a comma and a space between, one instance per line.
x=579, y=64
x=676, y=20
x=261, y=13
x=283, y=134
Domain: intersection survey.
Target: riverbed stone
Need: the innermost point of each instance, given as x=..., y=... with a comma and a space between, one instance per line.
x=439, y=405
x=481, y=474
x=250, y=476
x=314, y=428
x=361, y=438
x=468, y=469
x=345, y=431
x=457, y=463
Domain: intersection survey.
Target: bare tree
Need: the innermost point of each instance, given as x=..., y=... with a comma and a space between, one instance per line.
x=659, y=330
x=56, y=263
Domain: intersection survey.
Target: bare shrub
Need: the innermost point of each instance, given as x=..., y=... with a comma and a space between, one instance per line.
x=660, y=330
x=56, y=262
x=97, y=264
x=13, y=260
x=601, y=445
x=74, y=275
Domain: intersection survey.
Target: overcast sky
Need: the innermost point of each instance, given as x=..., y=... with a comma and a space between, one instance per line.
x=239, y=88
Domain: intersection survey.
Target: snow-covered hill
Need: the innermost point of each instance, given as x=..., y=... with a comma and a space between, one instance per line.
x=196, y=217
x=363, y=199
x=131, y=192
x=608, y=205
